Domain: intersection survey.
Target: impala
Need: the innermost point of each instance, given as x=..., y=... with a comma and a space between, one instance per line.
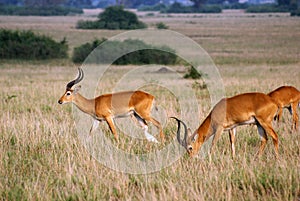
x=287, y=97
x=106, y=107
x=227, y=114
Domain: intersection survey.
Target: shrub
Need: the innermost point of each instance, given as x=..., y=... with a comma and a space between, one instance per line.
x=161, y=25
x=147, y=55
x=81, y=53
x=38, y=10
x=114, y=17
x=87, y=24
x=295, y=12
x=193, y=73
x=27, y=45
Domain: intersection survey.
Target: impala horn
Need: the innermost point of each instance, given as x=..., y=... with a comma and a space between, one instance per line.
x=182, y=142
x=77, y=80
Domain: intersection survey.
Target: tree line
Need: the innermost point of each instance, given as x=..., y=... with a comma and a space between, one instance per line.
x=196, y=4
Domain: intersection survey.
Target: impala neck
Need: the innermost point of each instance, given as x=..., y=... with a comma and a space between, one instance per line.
x=203, y=130
x=84, y=104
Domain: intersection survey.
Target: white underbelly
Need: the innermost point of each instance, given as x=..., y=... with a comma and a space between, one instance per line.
x=117, y=115
x=250, y=121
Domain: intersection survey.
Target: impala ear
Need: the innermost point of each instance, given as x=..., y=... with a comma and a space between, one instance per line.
x=189, y=136
x=76, y=89
x=189, y=132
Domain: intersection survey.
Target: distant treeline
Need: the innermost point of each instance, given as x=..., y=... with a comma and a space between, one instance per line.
x=30, y=46
x=144, y=54
x=80, y=3
x=38, y=10
x=217, y=8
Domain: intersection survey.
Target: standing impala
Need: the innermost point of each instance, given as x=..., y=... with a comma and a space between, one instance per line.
x=287, y=97
x=109, y=106
x=227, y=114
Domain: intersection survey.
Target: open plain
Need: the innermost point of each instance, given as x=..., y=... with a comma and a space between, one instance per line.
x=42, y=158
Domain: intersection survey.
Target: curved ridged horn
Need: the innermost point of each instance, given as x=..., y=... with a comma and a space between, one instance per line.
x=184, y=141
x=78, y=79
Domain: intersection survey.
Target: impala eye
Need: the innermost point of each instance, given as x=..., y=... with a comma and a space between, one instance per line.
x=68, y=93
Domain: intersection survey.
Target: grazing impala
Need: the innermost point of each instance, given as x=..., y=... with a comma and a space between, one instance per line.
x=109, y=106
x=287, y=97
x=248, y=108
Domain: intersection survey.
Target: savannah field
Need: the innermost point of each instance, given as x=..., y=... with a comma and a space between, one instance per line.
x=43, y=158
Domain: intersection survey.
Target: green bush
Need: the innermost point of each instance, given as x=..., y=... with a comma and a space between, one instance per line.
x=27, y=45
x=38, y=10
x=296, y=12
x=193, y=73
x=114, y=17
x=87, y=24
x=146, y=55
x=161, y=25
x=81, y=53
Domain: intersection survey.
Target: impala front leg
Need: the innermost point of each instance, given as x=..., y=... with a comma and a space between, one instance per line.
x=295, y=115
x=112, y=127
x=216, y=137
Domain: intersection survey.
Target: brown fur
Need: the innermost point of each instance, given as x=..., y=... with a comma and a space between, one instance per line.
x=109, y=106
x=287, y=97
x=248, y=108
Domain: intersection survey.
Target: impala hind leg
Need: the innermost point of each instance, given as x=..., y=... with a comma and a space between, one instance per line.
x=144, y=125
x=145, y=115
x=267, y=127
x=157, y=125
x=295, y=115
x=279, y=114
x=263, y=139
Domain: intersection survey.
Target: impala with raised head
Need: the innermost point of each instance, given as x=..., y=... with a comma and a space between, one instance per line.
x=227, y=114
x=137, y=104
x=287, y=97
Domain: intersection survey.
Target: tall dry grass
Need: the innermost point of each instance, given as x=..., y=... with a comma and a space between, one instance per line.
x=42, y=157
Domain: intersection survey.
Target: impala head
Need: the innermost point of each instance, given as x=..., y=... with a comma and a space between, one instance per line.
x=70, y=93
x=189, y=141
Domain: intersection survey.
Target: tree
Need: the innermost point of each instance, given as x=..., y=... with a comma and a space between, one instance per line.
x=115, y=17
x=198, y=3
